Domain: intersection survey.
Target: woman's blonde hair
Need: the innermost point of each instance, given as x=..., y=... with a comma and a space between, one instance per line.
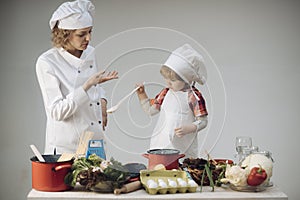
x=60, y=36
x=169, y=73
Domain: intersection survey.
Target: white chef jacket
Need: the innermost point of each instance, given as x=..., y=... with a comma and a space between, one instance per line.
x=69, y=109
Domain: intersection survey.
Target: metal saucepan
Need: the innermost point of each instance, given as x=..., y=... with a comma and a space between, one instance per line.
x=49, y=175
x=168, y=157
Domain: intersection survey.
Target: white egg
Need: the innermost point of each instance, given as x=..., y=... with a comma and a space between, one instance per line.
x=150, y=181
x=192, y=183
x=153, y=185
x=172, y=183
x=162, y=184
x=179, y=179
x=182, y=183
x=160, y=180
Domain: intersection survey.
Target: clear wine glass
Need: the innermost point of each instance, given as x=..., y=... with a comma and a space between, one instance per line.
x=242, y=142
x=243, y=145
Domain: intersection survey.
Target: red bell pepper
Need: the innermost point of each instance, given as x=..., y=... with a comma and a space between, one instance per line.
x=257, y=176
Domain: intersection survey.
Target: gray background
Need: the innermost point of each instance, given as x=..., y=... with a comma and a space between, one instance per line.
x=254, y=44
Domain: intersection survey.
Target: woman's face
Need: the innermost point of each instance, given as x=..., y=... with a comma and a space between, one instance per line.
x=175, y=84
x=80, y=38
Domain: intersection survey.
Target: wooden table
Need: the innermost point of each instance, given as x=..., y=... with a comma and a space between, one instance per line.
x=271, y=193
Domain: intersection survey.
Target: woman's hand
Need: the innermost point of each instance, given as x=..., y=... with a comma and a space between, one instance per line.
x=99, y=77
x=104, y=113
x=185, y=129
x=103, y=78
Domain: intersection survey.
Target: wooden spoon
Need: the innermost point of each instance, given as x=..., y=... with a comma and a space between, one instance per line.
x=81, y=148
x=37, y=153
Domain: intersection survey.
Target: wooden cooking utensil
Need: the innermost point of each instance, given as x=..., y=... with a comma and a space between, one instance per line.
x=129, y=187
x=37, y=153
x=84, y=139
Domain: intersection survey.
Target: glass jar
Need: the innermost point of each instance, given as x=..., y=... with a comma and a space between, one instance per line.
x=243, y=154
x=268, y=154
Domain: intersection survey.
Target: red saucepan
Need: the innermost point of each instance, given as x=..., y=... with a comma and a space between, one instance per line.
x=49, y=176
x=168, y=157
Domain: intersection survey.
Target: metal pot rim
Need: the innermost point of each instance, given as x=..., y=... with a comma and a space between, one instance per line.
x=53, y=159
x=163, y=151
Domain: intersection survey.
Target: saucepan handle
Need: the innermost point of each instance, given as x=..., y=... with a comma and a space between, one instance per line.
x=145, y=155
x=181, y=156
x=60, y=167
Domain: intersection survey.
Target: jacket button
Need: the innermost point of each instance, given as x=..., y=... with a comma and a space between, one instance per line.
x=92, y=123
x=91, y=104
x=99, y=122
x=78, y=71
x=98, y=103
x=91, y=66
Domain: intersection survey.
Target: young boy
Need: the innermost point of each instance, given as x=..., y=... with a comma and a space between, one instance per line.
x=181, y=106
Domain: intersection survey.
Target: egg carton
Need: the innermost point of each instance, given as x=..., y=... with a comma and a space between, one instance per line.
x=167, y=181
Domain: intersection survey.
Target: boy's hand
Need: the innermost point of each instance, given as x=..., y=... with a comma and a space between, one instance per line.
x=185, y=129
x=141, y=89
x=141, y=92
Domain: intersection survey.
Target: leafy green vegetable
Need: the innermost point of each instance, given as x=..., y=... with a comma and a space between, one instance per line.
x=95, y=160
x=209, y=174
x=116, y=171
x=79, y=165
x=222, y=169
x=202, y=180
x=87, y=172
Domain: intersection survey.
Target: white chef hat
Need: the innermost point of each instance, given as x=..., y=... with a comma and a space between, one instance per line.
x=73, y=15
x=188, y=64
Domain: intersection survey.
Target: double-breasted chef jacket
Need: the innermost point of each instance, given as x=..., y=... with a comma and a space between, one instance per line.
x=69, y=109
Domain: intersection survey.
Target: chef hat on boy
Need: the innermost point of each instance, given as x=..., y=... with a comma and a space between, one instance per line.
x=188, y=64
x=73, y=15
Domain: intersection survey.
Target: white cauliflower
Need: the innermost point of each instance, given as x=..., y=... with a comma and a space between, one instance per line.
x=104, y=164
x=235, y=175
x=256, y=160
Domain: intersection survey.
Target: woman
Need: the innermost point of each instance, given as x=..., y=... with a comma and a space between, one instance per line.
x=70, y=81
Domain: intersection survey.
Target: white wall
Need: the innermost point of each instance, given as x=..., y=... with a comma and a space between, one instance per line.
x=253, y=85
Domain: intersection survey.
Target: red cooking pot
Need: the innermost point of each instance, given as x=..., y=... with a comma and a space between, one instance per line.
x=167, y=157
x=49, y=176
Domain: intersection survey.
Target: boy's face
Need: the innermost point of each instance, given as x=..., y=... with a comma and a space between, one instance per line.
x=175, y=84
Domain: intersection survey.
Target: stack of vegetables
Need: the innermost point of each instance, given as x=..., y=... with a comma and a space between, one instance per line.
x=255, y=170
x=205, y=172
x=94, y=171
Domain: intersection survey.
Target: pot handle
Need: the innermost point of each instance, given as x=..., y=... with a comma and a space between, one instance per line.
x=60, y=167
x=146, y=155
x=181, y=155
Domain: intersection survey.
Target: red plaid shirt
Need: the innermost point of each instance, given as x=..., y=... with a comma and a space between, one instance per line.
x=198, y=107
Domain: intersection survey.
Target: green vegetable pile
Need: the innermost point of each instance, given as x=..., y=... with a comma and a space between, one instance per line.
x=94, y=170
x=204, y=172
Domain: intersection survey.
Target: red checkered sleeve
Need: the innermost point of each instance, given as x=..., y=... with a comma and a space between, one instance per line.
x=197, y=106
x=158, y=100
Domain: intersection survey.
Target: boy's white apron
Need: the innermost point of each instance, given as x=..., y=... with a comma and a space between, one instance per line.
x=175, y=112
